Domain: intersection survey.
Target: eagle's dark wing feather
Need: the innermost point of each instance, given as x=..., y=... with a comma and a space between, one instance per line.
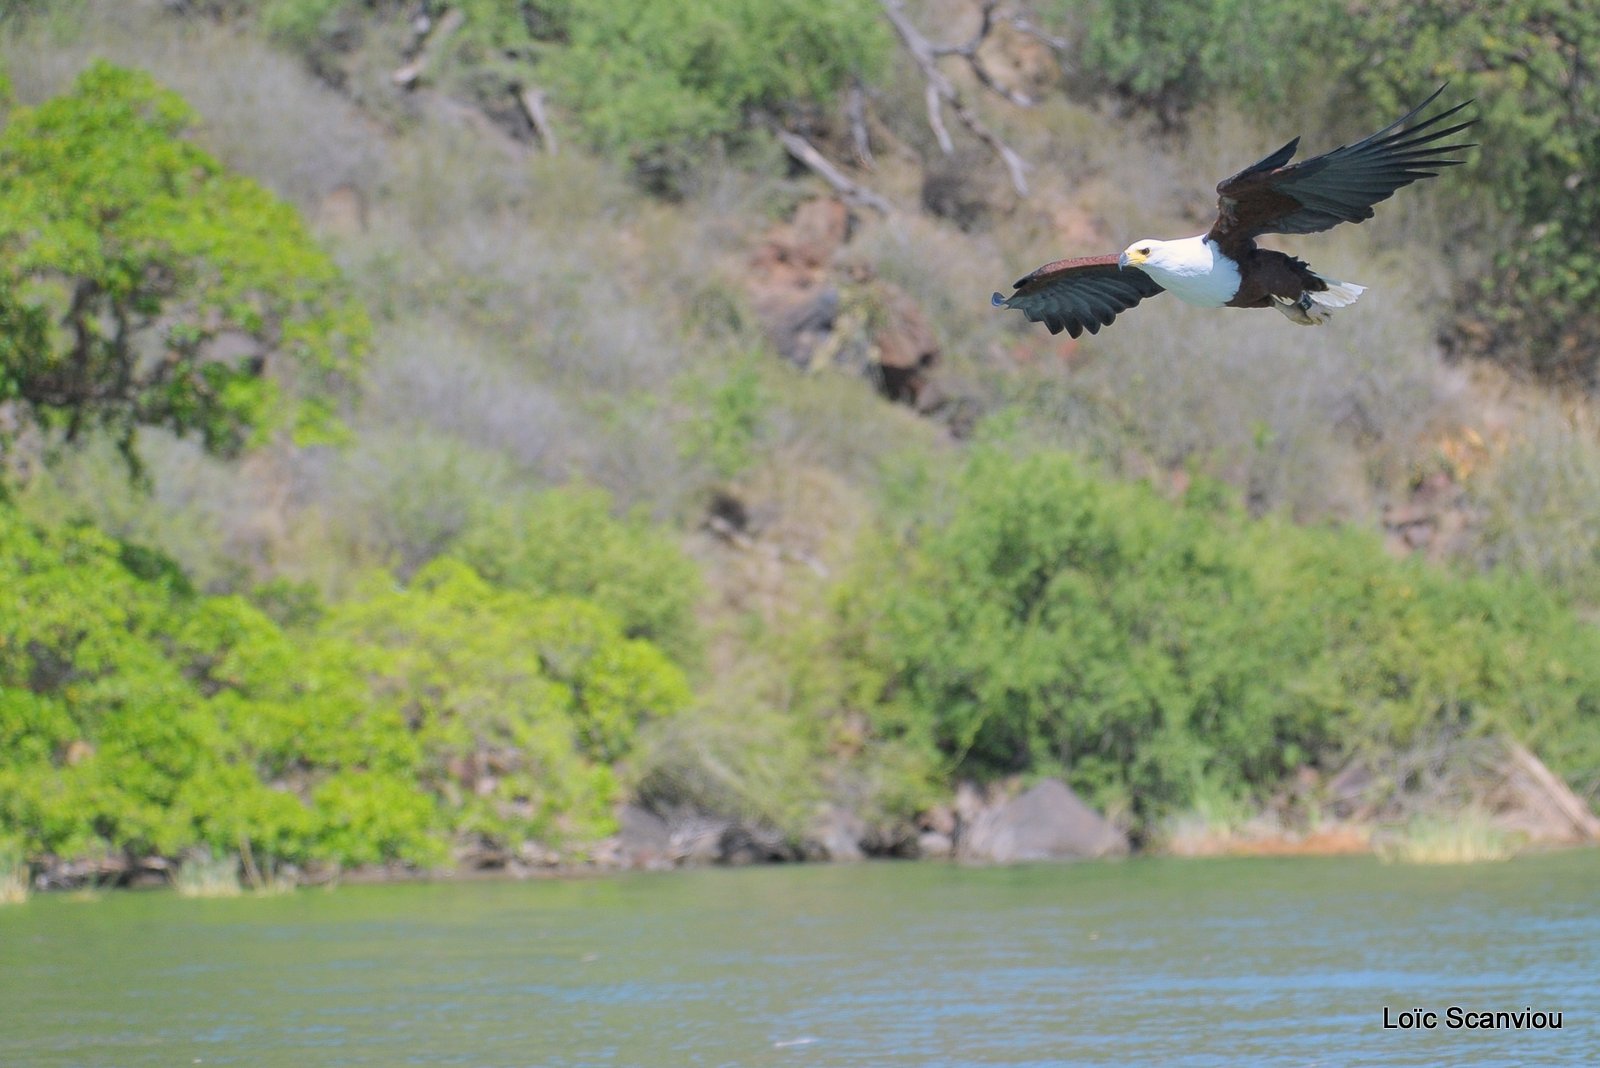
x=1078, y=295
x=1276, y=197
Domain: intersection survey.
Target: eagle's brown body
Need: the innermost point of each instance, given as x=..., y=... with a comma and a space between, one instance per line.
x=1265, y=273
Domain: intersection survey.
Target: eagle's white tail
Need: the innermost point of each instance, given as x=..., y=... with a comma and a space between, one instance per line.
x=1314, y=309
x=1338, y=294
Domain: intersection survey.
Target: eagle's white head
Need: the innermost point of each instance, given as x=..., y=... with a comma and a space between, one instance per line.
x=1192, y=268
x=1155, y=256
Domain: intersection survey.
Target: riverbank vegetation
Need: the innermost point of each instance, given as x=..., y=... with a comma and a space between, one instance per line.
x=1468, y=837
x=383, y=487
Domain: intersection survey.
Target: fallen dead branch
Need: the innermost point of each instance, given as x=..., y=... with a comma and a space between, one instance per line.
x=808, y=154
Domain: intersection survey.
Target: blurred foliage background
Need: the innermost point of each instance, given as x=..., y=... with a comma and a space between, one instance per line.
x=469, y=496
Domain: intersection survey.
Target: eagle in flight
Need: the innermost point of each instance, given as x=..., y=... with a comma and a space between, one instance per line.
x=1223, y=267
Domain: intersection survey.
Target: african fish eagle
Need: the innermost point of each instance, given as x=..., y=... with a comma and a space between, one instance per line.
x=1223, y=267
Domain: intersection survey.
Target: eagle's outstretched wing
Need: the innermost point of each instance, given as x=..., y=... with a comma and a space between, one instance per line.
x=1077, y=295
x=1276, y=197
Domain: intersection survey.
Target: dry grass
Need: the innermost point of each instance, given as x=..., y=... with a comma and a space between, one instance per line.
x=438, y=377
x=1469, y=837
x=1194, y=836
x=1540, y=497
x=262, y=115
x=1324, y=423
x=202, y=875
x=400, y=498
x=13, y=875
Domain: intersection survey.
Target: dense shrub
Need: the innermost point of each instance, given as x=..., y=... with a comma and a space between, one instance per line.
x=522, y=700
x=1170, y=57
x=1060, y=622
x=105, y=742
x=654, y=79
x=568, y=542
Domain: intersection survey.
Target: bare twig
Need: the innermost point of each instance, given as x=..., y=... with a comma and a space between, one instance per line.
x=409, y=75
x=1569, y=804
x=807, y=153
x=532, y=100
x=856, y=107
x=1024, y=25
x=252, y=874
x=969, y=52
x=941, y=92
x=936, y=117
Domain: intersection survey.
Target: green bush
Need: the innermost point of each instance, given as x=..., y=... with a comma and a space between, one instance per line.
x=104, y=740
x=1149, y=650
x=518, y=702
x=730, y=415
x=568, y=542
x=1170, y=57
x=654, y=79
x=654, y=82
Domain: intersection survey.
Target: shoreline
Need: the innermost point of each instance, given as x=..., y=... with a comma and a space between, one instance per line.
x=997, y=824
x=1345, y=840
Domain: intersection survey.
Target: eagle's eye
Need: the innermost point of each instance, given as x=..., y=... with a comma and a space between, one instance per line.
x=1145, y=251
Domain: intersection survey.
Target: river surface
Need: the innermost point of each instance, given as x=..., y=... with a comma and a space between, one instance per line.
x=1147, y=961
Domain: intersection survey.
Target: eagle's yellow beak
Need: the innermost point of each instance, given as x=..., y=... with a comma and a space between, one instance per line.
x=1130, y=257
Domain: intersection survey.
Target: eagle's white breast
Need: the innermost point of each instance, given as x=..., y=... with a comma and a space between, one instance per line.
x=1193, y=269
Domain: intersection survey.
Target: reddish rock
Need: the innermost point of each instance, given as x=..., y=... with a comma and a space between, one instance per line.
x=817, y=231
x=906, y=345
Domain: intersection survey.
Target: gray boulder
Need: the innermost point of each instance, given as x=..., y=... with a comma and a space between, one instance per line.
x=1045, y=822
x=644, y=839
x=837, y=835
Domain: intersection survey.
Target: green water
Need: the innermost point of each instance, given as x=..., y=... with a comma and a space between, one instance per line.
x=1154, y=961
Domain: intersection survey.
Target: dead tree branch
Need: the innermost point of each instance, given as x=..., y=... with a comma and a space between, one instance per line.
x=1025, y=26
x=942, y=93
x=969, y=52
x=807, y=153
x=531, y=99
x=1556, y=792
x=856, y=107
x=428, y=47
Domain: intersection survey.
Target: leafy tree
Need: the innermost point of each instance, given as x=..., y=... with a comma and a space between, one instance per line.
x=138, y=717
x=142, y=285
x=105, y=741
